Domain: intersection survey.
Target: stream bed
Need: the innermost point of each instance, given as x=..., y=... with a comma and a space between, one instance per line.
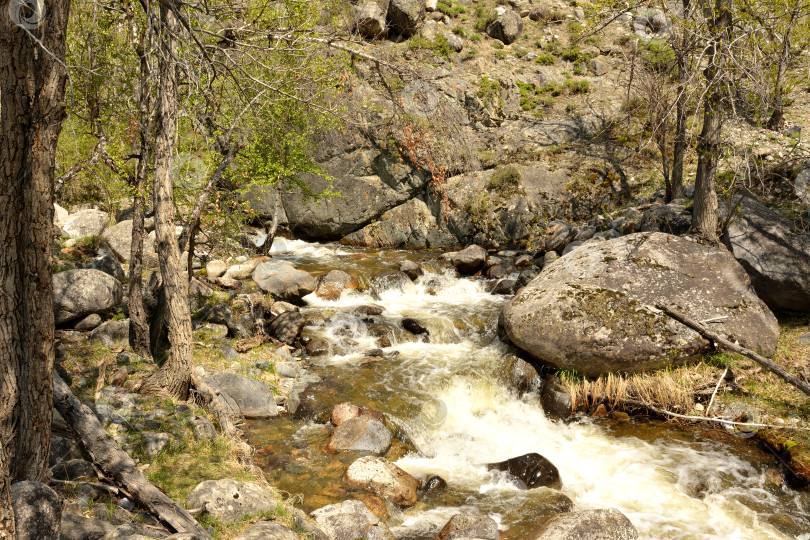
x=445, y=394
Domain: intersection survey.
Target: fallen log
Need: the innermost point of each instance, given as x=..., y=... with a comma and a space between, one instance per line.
x=116, y=464
x=724, y=343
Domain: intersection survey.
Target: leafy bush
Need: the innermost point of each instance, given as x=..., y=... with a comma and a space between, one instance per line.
x=475, y=38
x=484, y=16
x=571, y=55
x=532, y=97
x=578, y=86
x=450, y=8
x=545, y=59
x=658, y=56
x=460, y=31
x=489, y=91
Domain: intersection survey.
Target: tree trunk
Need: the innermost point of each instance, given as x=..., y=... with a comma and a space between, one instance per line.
x=777, y=119
x=704, y=214
x=681, y=110
x=32, y=107
x=174, y=376
x=271, y=230
x=138, y=326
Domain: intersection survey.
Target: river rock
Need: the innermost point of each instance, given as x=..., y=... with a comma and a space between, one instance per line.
x=111, y=332
x=411, y=269
x=85, y=223
x=351, y=520
x=380, y=476
x=470, y=525
x=332, y=284
x=242, y=270
x=266, y=530
x=244, y=396
x=470, y=259
x=215, y=269
x=413, y=326
x=37, y=511
x=508, y=27
x=361, y=434
x=107, y=264
x=405, y=16
x=287, y=326
x=776, y=258
x=392, y=280
x=119, y=239
x=74, y=527
x=88, y=323
x=77, y=293
x=229, y=500
x=555, y=399
x=283, y=280
x=369, y=20
x=346, y=411
x=221, y=314
x=533, y=470
x=318, y=347
x=667, y=218
x=593, y=310
x=609, y=524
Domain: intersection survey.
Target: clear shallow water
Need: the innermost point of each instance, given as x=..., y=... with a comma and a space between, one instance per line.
x=445, y=396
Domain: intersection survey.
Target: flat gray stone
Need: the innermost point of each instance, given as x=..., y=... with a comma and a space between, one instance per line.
x=230, y=500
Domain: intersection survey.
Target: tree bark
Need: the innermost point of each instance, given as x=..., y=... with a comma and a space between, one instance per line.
x=704, y=214
x=174, y=376
x=777, y=119
x=271, y=230
x=116, y=465
x=139, y=327
x=681, y=110
x=32, y=107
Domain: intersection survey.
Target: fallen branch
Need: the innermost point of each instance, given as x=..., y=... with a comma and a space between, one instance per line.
x=116, y=464
x=739, y=349
x=723, y=421
x=215, y=403
x=716, y=388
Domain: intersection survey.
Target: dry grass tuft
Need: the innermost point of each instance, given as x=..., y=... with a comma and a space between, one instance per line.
x=673, y=390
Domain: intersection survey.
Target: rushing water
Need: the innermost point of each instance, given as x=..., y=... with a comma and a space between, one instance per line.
x=446, y=397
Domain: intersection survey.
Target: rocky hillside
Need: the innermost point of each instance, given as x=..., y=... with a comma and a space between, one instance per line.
x=486, y=122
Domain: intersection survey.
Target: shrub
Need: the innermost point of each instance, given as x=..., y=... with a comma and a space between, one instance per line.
x=658, y=55
x=571, y=55
x=475, y=38
x=460, y=31
x=505, y=180
x=450, y=9
x=484, y=16
x=489, y=91
x=578, y=86
x=545, y=59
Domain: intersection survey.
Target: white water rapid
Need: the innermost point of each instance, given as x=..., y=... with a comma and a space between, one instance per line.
x=447, y=397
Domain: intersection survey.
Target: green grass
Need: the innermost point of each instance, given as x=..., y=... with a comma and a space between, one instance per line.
x=505, y=181
x=545, y=59
x=451, y=9
x=578, y=86
x=489, y=91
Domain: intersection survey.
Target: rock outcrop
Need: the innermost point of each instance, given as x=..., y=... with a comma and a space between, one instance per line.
x=77, y=293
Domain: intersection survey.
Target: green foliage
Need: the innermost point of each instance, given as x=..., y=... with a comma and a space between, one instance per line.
x=500, y=55
x=505, y=181
x=578, y=86
x=478, y=208
x=580, y=68
x=532, y=96
x=545, y=59
x=489, y=91
x=451, y=9
x=521, y=52
x=475, y=38
x=571, y=54
x=484, y=17
x=658, y=56
x=497, y=45
x=439, y=46
x=460, y=31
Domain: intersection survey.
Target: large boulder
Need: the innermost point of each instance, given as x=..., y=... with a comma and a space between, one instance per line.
x=369, y=20
x=351, y=520
x=607, y=524
x=85, y=223
x=283, y=280
x=37, y=511
x=230, y=500
x=119, y=239
x=77, y=293
x=405, y=16
x=244, y=396
x=392, y=280
x=287, y=326
x=668, y=218
x=777, y=259
x=593, y=309
x=361, y=434
x=508, y=27
x=380, y=476
x=410, y=225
